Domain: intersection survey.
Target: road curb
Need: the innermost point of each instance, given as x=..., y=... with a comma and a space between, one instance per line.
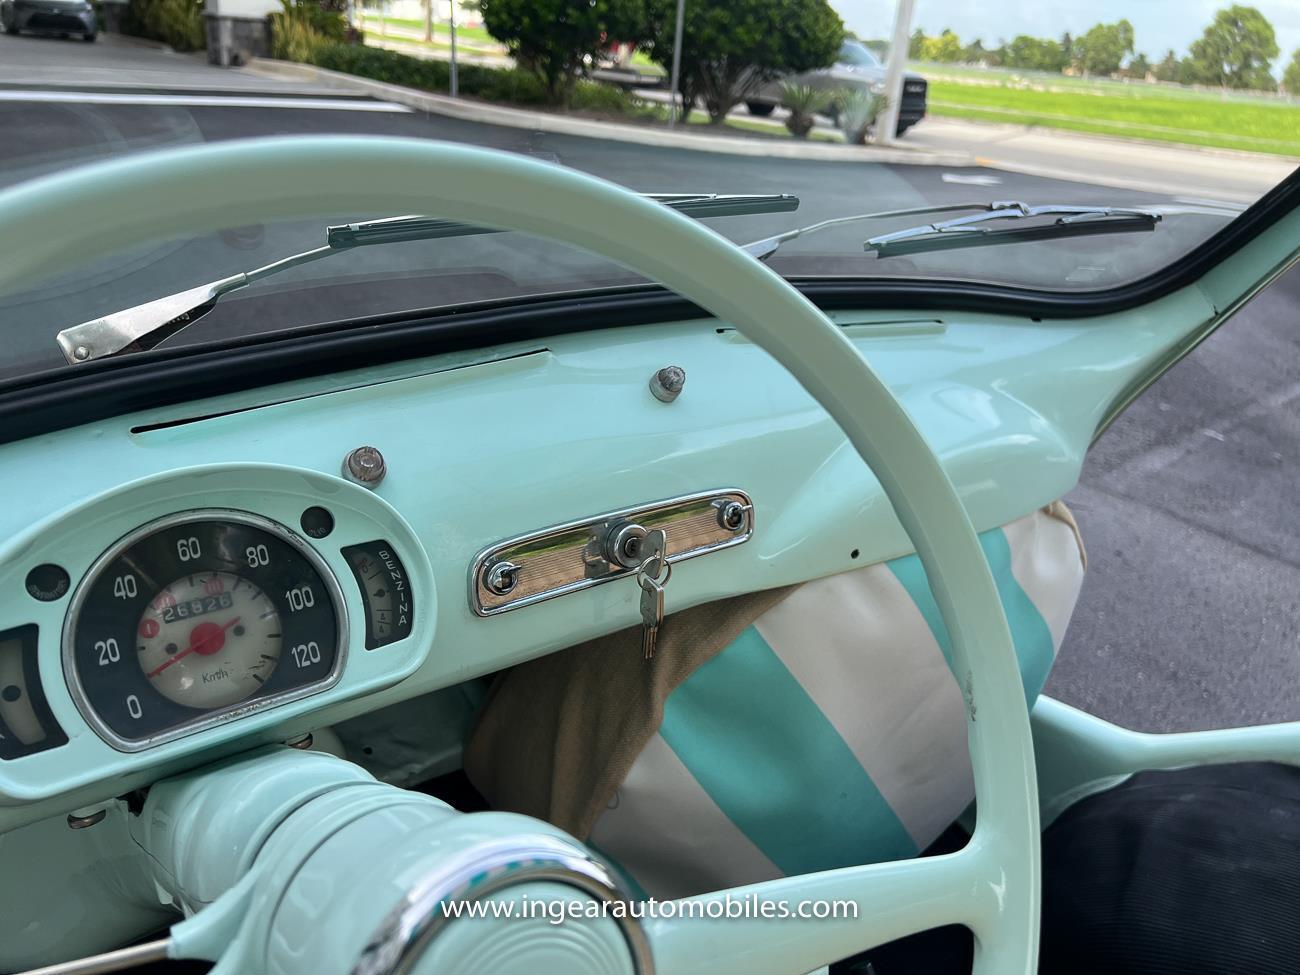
x=219, y=91
x=476, y=111
x=130, y=40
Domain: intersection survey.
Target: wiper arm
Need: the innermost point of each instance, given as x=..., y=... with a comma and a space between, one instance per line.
x=142, y=327
x=971, y=231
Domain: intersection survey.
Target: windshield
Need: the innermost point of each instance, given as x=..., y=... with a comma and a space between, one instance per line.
x=851, y=52
x=1057, y=108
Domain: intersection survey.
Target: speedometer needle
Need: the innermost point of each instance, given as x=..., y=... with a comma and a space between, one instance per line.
x=206, y=638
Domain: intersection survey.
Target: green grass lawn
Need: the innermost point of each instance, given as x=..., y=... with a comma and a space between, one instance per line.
x=480, y=38
x=1161, y=113
x=776, y=129
x=440, y=29
x=647, y=66
x=440, y=43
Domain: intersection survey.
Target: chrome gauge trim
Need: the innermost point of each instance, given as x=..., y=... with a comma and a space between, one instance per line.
x=587, y=549
x=396, y=946
x=221, y=715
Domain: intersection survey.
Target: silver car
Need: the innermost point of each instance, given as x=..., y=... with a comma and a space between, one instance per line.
x=62, y=17
x=856, y=67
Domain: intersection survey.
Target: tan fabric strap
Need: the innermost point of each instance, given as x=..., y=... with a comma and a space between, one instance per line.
x=558, y=734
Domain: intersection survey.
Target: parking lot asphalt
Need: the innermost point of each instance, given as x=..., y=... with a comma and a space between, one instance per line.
x=33, y=60
x=1190, y=508
x=1190, y=613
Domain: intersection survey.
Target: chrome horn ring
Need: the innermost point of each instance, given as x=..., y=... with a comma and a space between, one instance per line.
x=481, y=871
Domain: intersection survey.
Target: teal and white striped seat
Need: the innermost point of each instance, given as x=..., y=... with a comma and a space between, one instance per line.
x=831, y=731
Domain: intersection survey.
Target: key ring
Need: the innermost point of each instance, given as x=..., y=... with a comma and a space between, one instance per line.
x=645, y=580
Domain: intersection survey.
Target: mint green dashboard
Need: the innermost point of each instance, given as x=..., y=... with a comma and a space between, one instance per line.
x=493, y=444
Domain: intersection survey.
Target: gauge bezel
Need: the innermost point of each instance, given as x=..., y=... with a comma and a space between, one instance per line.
x=221, y=715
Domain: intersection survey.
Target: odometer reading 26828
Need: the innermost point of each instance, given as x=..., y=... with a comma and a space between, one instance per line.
x=197, y=615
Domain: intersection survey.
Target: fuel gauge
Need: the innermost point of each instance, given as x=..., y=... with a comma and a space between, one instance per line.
x=385, y=592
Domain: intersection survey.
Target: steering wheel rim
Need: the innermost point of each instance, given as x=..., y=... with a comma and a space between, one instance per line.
x=992, y=885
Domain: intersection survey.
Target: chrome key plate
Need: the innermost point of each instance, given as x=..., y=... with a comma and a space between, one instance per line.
x=570, y=557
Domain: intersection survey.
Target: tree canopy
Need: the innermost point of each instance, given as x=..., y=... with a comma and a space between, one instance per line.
x=946, y=47
x=916, y=44
x=732, y=47
x=1034, y=54
x=1102, y=50
x=556, y=38
x=1138, y=67
x=1291, y=78
x=1235, y=50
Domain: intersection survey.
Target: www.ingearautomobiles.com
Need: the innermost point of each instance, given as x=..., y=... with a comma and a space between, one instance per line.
x=557, y=911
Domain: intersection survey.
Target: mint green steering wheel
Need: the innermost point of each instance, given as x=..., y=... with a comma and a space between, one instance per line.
x=991, y=886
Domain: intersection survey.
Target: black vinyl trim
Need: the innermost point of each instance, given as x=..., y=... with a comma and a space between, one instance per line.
x=68, y=397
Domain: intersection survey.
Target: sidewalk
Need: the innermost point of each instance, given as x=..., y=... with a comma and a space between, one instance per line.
x=1153, y=167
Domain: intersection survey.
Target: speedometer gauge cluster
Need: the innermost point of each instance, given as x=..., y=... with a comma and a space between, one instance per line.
x=196, y=617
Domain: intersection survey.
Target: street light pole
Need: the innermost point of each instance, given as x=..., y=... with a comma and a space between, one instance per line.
x=677, y=65
x=451, y=20
x=887, y=121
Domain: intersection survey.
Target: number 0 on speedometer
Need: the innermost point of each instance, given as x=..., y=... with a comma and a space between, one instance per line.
x=194, y=616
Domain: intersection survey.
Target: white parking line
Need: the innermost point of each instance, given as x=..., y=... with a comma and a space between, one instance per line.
x=972, y=179
x=214, y=101
x=1202, y=201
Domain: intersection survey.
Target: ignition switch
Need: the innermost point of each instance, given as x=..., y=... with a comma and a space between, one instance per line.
x=623, y=544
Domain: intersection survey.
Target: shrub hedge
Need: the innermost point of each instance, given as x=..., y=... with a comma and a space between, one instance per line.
x=511, y=85
x=178, y=23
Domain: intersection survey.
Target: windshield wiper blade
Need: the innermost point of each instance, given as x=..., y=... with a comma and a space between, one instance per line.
x=142, y=327
x=971, y=231
x=391, y=230
x=765, y=247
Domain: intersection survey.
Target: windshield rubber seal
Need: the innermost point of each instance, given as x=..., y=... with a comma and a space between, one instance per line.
x=57, y=399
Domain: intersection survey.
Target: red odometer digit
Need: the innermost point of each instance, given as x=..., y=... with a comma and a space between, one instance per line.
x=197, y=615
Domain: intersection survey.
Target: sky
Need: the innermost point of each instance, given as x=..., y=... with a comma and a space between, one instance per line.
x=1158, y=24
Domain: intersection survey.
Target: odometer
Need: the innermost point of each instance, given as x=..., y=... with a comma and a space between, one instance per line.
x=195, y=617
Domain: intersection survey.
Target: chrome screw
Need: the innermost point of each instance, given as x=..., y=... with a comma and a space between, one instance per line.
x=81, y=353
x=501, y=578
x=667, y=383
x=365, y=466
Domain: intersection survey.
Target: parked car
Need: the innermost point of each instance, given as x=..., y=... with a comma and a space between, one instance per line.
x=856, y=67
x=62, y=17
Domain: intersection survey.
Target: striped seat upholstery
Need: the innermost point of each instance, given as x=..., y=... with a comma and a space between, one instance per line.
x=831, y=731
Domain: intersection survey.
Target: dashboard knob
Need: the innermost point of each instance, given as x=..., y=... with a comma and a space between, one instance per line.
x=668, y=383
x=365, y=466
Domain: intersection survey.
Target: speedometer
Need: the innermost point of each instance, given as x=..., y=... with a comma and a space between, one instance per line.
x=210, y=640
x=196, y=617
